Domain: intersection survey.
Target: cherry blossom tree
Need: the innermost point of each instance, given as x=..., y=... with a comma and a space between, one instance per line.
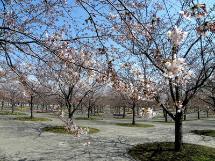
x=91, y=100
x=134, y=85
x=207, y=94
x=178, y=49
x=71, y=82
x=175, y=39
x=31, y=90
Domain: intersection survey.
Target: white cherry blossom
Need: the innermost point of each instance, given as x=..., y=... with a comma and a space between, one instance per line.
x=176, y=35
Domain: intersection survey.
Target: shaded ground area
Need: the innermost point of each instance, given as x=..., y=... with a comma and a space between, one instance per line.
x=24, y=141
x=164, y=151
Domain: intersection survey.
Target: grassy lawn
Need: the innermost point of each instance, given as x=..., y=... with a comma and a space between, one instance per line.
x=10, y=113
x=136, y=125
x=33, y=119
x=204, y=132
x=165, y=152
x=62, y=130
x=24, y=108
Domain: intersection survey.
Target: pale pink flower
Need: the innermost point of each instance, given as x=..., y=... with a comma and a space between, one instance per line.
x=176, y=35
x=185, y=14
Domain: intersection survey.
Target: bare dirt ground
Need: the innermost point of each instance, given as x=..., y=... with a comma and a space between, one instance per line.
x=24, y=141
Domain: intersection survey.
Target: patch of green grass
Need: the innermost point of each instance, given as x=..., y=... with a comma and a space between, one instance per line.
x=91, y=118
x=32, y=119
x=92, y=130
x=10, y=113
x=135, y=125
x=24, y=108
x=204, y=132
x=55, y=129
x=62, y=130
x=165, y=152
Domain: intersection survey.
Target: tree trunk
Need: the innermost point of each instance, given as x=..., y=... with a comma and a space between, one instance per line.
x=133, y=111
x=21, y=105
x=165, y=115
x=91, y=111
x=94, y=110
x=2, y=105
x=71, y=114
x=12, y=107
x=198, y=114
x=185, y=115
x=88, y=113
x=178, y=131
x=43, y=106
x=88, y=110
x=123, y=116
x=207, y=113
x=31, y=106
x=69, y=106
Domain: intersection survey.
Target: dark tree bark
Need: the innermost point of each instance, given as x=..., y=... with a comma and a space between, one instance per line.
x=72, y=113
x=94, y=110
x=185, y=117
x=198, y=114
x=165, y=115
x=21, y=105
x=2, y=105
x=12, y=107
x=91, y=111
x=43, y=106
x=88, y=109
x=88, y=113
x=31, y=106
x=133, y=112
x=69, y=106
x=178, y=131
x=185, y=114
x=71, y=109
x=123, y=116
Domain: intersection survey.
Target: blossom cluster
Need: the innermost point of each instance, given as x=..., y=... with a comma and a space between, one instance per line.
x=147, y=113
x=176, y=35
x=177, y=67
x=198, y=11
x=207, y=26
x=138, y=89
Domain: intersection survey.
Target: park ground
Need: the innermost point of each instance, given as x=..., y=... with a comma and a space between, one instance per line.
x=25, y=140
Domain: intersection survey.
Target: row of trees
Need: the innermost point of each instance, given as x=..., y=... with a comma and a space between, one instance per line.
x=146, y=50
